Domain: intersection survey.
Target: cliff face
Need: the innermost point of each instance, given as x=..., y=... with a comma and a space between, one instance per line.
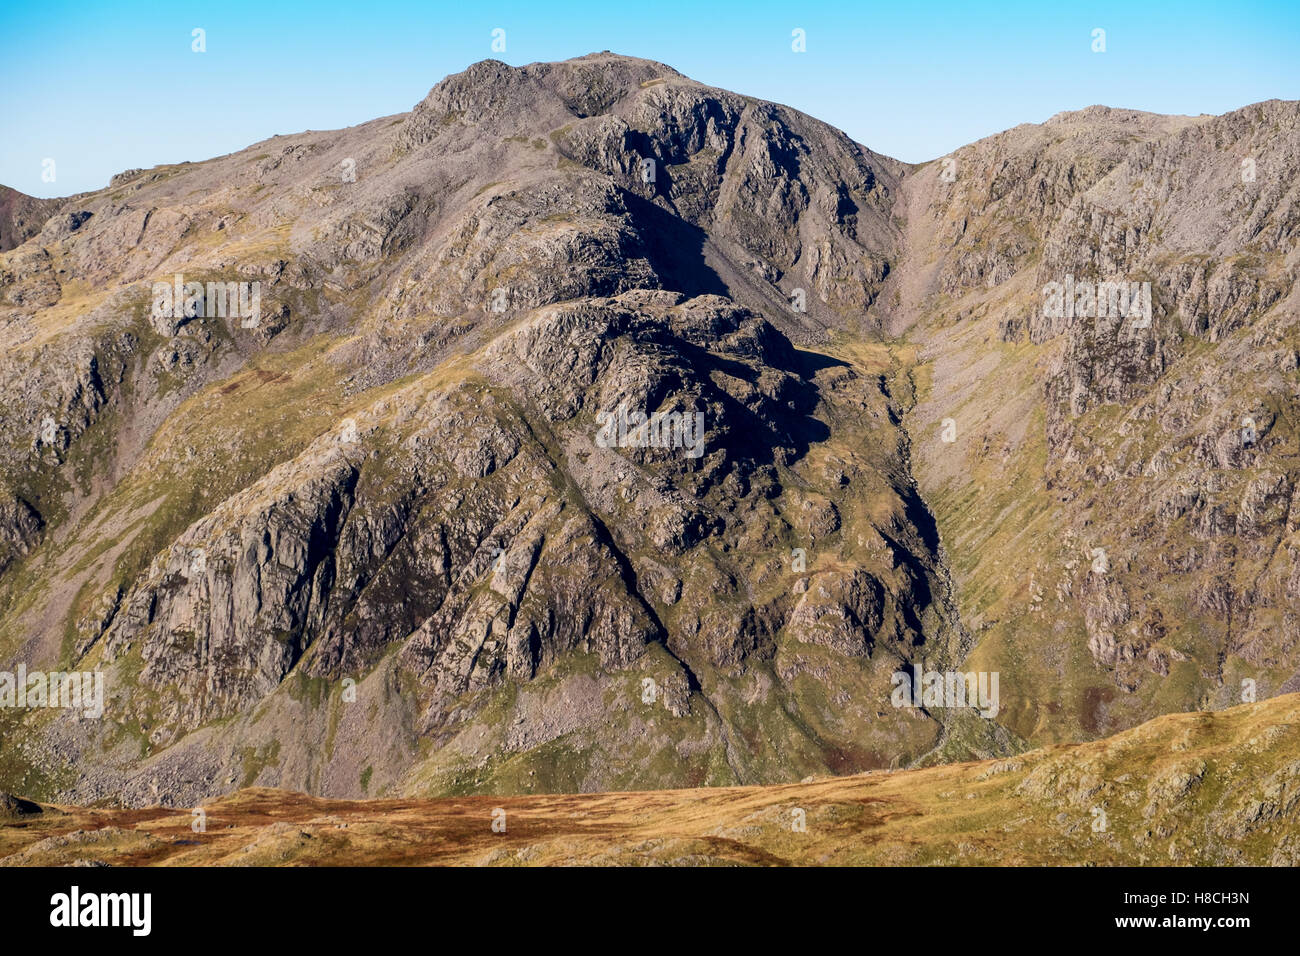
x=386, y=524
x=1138, y=468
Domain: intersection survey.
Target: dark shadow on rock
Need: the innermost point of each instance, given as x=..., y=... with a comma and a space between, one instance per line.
x=674, y=248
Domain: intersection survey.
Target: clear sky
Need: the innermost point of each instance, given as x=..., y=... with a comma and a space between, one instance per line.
x=102, y=87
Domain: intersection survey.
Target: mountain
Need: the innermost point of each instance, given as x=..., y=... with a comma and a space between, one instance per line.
x=368, y=530
x=1167, y=443
x=1217, y=788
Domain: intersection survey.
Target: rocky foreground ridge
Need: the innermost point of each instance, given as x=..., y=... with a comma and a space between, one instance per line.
x=1218, y=788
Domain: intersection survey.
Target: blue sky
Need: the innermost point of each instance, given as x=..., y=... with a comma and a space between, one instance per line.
x=104, y=87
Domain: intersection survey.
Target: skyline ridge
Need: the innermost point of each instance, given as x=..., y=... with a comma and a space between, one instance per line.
x=1084, y=110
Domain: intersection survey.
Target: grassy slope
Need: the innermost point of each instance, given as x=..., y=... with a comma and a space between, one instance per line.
x=1220, y=787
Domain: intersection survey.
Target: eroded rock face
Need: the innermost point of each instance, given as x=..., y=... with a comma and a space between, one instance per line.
x=1215, y=438
x=840, y=611
x=22, y=217
x=1166, y=481
x=20, y=528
